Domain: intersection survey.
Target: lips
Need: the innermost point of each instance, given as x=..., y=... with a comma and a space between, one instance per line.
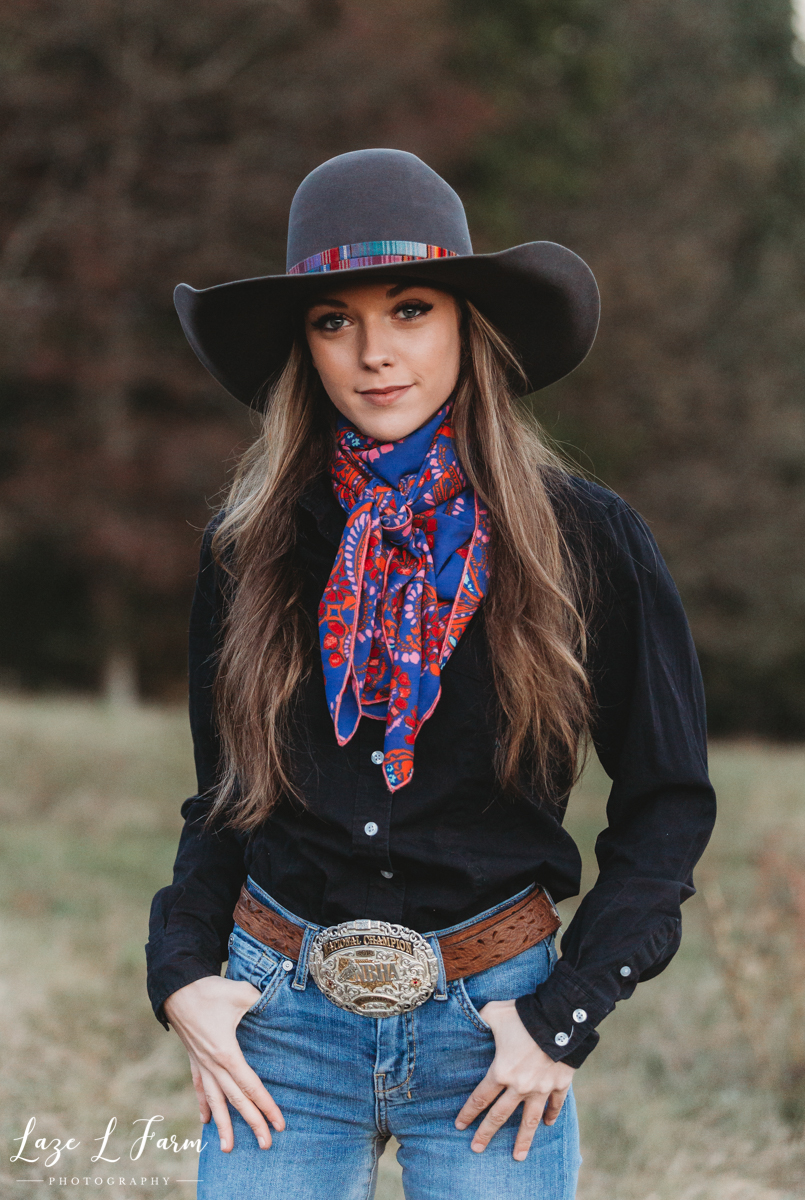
x=386, y=395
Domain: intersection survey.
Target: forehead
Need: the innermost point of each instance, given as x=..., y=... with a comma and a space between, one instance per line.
x=379, y=291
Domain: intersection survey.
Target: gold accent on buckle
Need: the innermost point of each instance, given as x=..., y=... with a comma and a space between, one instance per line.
x=373, y=968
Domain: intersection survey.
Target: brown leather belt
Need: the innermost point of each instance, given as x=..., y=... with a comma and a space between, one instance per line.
x=479, y=946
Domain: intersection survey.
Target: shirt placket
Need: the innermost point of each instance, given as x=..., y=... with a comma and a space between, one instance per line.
x=371, y=826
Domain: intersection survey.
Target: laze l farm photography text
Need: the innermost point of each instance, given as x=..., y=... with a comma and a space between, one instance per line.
x=55, y=1150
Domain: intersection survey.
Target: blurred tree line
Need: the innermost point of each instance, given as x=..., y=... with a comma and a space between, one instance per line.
x=146, y=142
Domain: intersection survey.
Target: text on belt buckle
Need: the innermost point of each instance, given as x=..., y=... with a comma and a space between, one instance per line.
x=373, y=968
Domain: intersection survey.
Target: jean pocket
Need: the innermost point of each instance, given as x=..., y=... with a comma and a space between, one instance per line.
x=518, y=976
x=262, y=969
x=468, y=1008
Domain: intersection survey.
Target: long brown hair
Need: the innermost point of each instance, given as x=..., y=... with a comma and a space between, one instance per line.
x=535, y=609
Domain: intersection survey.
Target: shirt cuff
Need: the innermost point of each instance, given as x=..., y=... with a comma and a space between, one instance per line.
x=562, y=1014
x=166, y=974
x=576, y=1057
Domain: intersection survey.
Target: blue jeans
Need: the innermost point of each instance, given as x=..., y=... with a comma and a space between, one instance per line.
x=345, y=1083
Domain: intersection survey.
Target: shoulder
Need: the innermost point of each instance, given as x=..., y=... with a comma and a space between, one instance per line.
x=613, y=536
x=209, y=581
x=595, y=511
x=212, y=525
x=210, y=529
x=581, y=500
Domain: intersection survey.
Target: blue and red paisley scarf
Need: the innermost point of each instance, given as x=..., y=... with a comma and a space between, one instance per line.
x=411, y=570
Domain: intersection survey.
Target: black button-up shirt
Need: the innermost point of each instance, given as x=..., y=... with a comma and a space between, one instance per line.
x=449, y=845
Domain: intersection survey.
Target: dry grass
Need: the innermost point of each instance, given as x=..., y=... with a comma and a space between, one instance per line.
x=697, y=1091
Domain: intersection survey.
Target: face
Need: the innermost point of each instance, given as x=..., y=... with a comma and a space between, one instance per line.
x=387, y=354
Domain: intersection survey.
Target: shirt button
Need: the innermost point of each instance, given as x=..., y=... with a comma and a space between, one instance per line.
x=562, y=1039
x=626, y=971
x=387, y=874
x=377, y=757
x=370, y=829
x=287, y=965
x=579, y=1016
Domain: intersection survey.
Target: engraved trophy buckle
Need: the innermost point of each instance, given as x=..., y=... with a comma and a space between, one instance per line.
x=373, y=968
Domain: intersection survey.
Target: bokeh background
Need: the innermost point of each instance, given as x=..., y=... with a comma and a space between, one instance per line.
x=146, y=142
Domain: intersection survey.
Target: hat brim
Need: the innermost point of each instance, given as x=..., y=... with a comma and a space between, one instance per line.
x=541, y=295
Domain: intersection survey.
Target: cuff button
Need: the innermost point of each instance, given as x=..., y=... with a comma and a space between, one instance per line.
x=626, y=971
x=579, y=1016
x=562, y=1039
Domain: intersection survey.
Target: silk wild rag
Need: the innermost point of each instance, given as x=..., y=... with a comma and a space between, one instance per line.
x=410, y=571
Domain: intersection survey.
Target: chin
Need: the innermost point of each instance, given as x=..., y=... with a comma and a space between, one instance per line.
x=389, y=425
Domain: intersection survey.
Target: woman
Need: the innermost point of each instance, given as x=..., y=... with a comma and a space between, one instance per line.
x=408, y=617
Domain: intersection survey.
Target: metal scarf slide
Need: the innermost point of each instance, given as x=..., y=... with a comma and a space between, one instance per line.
x=410, y=571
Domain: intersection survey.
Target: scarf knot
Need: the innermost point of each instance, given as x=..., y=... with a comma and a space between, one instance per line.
x=397, y=519
x=410, y=571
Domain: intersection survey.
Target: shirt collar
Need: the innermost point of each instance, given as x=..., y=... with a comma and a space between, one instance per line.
x=319, y=499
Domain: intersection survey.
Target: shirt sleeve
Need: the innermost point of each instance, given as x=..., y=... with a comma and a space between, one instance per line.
x=191, y=919
x=649, y=732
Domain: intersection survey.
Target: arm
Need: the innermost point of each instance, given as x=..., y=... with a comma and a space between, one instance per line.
x=650, y=736
x=191, y=919
x=649, y=732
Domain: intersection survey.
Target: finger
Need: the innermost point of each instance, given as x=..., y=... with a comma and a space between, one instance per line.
x=554, y=1108
x=532, y=1115
x=245, y=1089
x=198, y=1083
x=247, y=1093
x=497, y=1116
x=251, y=1114
x=480, y=1099
x=218, y=1110
x=254, y=1090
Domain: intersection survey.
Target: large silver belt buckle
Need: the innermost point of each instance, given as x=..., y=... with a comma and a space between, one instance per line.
x=373, y=968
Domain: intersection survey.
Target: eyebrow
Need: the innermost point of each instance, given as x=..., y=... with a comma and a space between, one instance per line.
x=336, y=303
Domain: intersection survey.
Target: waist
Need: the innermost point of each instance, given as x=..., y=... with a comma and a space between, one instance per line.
x=485, y=940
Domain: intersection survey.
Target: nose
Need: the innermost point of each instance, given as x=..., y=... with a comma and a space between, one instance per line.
x=376, y=349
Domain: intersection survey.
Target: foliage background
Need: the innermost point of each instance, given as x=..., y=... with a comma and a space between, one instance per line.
x=145, y=142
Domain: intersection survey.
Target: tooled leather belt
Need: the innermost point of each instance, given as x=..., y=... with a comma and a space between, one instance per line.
x=380, y=969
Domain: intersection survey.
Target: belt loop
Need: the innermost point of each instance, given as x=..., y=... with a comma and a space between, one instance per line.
x=441, y=980
x=300, y=978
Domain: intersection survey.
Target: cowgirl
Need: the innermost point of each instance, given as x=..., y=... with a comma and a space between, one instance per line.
x=407, y=617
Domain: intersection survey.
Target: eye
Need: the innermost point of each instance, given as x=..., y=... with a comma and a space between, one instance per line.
x=410, y=309
x=332, y=322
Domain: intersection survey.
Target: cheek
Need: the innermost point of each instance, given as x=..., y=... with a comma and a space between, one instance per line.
x=436, y=356
x=334, y=363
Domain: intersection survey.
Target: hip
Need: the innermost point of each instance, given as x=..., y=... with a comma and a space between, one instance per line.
x=347, y=1082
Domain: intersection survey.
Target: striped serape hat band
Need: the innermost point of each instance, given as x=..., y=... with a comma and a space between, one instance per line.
x=368, y=254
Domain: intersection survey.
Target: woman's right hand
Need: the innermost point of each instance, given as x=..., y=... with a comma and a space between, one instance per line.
x=205, y=1014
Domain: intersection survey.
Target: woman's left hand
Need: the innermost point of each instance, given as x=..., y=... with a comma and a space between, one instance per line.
x=523, y=1073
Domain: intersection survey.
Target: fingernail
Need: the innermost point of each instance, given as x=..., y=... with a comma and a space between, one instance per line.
x=223, y=1144
x=262, y=1142
x=476, y=1147
x=461, y=1124
x=519, y=1155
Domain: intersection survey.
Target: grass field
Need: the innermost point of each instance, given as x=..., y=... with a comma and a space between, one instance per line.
x=696, y=1092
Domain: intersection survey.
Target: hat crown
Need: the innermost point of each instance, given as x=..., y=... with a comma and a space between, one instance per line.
x=374, y=196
